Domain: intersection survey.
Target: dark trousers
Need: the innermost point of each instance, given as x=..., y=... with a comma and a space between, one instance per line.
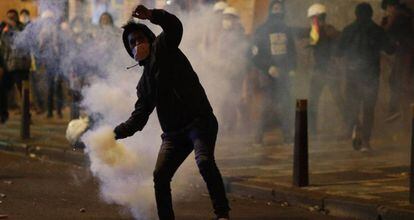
x=54, y=87
x=6, y=84
x=286, y=107
x=319, y=80
x=361, y=93
x=174, y=150
x=277, y=99
x=75, y=105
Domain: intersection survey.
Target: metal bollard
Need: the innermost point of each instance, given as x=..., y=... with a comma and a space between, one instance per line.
x=412, y=158
x=300, y=155
x=25, y=120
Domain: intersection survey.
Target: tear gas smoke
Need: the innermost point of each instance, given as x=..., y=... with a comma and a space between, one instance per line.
x=104, y=149
x=97, y=57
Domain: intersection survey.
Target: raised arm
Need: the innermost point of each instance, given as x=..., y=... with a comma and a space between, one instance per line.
x=170, y=24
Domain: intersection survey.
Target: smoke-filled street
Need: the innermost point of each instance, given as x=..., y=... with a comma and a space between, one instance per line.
x=35, y=189
x=207, y=109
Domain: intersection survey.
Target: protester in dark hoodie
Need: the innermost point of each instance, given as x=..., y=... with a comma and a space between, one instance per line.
x=399, y=25
x=274, y=54
x=170, y=84
x=361, y=44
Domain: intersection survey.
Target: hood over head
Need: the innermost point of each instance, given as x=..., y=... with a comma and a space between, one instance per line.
x=131, y=27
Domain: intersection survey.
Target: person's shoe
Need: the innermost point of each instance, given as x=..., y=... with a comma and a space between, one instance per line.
x=366, y=147
x=356, y=139
x=393, y=116
x=3, y=119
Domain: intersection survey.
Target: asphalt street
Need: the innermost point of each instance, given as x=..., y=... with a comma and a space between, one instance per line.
x=31, y=188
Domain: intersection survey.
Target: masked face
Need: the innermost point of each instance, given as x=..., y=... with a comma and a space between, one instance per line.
x=141, y=51
x=139, y=45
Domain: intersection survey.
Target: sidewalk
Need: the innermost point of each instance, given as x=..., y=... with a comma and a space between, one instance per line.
x=343, y=182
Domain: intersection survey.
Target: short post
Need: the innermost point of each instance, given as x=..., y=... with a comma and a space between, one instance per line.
x=412, y=157
x=300, y=155
x=25, y=120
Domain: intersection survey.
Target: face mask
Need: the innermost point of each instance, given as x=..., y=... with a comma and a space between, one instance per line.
x=141, y=51
x=227, y=24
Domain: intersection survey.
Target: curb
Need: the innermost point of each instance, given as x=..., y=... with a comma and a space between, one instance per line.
x=326, y=204
x=63, y=155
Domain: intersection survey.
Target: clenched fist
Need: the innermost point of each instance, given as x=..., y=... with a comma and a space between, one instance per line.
x=142, y=12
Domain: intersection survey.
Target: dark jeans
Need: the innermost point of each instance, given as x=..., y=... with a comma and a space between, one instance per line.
x=54, y=87
x=361, y=92
x=6, y=84
x=75, y=105
x=175, y=148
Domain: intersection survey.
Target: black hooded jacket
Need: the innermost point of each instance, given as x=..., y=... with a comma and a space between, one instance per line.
x=168, y=83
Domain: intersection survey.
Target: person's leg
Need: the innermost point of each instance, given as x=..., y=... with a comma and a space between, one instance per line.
x=204, y=140
x=316, y=86
x=50, y=93
x=74, y=111
x=19, y=76
x=287, y=107
x=172, y=154
x=35, y=87
x=4, y=88
x=370, y=99
x=395, y=83
x=59, y=95
x=352, y=102
x=334, y=85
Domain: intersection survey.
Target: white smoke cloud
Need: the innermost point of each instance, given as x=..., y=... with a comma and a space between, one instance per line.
x=124, y=168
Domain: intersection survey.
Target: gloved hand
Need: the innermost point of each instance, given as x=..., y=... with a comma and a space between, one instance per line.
x=118, y=132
